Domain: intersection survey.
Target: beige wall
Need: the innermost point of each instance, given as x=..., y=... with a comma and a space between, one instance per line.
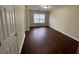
x=26, y=19
x=31, y=12
x=66, y=20
x=20, y=28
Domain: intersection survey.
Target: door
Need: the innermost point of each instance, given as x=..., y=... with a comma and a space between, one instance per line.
x=8, y=42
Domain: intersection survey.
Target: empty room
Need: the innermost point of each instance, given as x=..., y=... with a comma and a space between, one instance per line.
x=39, y=29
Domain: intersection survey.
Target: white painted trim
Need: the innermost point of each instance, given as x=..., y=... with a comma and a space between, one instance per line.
x=66, y=34
x=21, y=44
x=27, y=30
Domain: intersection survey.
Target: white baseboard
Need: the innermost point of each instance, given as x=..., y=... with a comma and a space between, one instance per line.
x=21, y=44
x=66, y=34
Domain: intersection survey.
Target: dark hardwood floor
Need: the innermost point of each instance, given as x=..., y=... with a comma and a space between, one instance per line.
x=45, y=40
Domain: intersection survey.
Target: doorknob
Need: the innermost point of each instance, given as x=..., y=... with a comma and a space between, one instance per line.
x=15, y=34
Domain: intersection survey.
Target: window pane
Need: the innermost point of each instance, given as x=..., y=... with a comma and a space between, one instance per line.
x=42, y=20
x=42, y=15
x=39, y=18
x=36, y=20
x=36, y=15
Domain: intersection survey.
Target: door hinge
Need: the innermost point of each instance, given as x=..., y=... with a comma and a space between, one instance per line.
x=0, y=43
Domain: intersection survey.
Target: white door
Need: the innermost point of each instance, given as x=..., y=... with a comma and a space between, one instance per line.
x=8, y=42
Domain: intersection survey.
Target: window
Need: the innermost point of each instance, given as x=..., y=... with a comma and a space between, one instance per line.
x=39, y=18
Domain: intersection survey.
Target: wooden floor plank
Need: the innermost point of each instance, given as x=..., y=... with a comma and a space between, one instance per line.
x=45, y=40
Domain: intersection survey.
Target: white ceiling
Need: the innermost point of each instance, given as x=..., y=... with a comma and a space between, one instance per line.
x=38, y=7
